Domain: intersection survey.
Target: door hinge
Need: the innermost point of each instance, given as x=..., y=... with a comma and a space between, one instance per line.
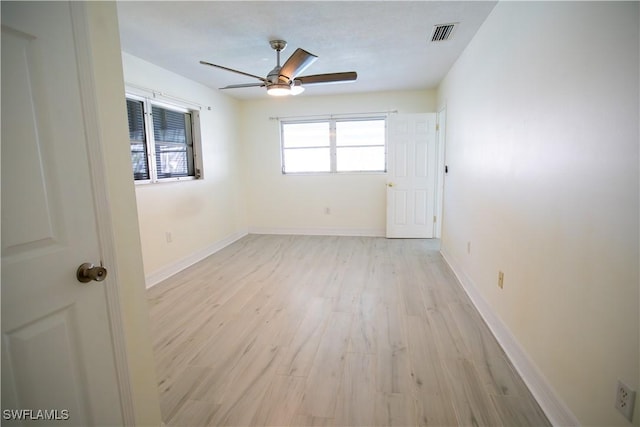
x=434, y=218
x=437, y=126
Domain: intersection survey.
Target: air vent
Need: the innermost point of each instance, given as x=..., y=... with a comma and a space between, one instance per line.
x=442, y=32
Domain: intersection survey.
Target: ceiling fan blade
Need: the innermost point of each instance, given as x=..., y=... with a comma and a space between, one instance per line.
x=234, y=71
x=345, y=77
x=244, y=85
x=297, y=63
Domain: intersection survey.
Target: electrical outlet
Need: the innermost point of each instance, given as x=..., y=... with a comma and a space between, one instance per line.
x=500, y=279
x=625, y=399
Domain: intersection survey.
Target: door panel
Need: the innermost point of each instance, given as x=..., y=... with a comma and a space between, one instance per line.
x=401, y=162
x=33, y=196
x=411, y=184
x=400, y=207
x=57, y=349
x=421, y=208
x=422, y=158
x=45, y=378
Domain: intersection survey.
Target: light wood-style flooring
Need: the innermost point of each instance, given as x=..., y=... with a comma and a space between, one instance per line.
x=324, y=331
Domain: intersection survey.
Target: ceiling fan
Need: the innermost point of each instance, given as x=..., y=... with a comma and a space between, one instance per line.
x=286, y=80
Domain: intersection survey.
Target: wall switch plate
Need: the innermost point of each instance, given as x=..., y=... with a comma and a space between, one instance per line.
x=625, y=399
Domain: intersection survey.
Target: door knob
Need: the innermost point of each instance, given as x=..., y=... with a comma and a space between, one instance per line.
x=88, y=272
x=390, y=184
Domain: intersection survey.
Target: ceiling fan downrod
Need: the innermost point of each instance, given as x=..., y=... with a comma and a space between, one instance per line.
x=278, y=46
x=274, y=75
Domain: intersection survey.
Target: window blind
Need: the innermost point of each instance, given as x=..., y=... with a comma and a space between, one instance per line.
x=135, y=114
x=173, y=142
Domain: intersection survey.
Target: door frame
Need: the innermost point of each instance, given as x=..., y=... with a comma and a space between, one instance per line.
x=104, y=220
x=441, y=145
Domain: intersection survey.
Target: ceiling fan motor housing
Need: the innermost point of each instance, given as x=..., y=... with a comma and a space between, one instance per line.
x=275, y=77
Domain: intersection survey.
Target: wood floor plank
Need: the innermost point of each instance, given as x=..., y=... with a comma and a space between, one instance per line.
x=495, y=371
x=392, y=370
x=194, y=413
x=221, y=354
x=249, y=381
x=357, y=394
x=329, y=331
x=431, y=393
x=301, y=351
x=472, y=404
x=309, y=421
x=363, y=334
x=394, y=409
x=478, y=338
x=449, y=340
x=356, y=275
x=325, y=376
x=172, y=397
x=332, y=269
x=516, y=411
x=408, y=283
x=280, y=402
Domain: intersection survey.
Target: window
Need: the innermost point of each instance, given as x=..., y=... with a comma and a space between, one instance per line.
x=162, y=139
x=334, y=145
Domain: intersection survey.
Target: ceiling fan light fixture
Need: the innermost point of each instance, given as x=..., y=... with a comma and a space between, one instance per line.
x=296, y=88
x=279, y=89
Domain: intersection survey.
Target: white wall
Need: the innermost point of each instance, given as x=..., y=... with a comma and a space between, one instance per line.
x=199, y=214
x=542, y=149
x=295, y=203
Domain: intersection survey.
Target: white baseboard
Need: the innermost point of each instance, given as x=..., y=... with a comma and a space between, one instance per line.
x=168, y=271
x=554, y=408
x=319, y=231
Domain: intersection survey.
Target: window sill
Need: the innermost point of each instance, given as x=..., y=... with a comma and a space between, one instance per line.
x=166, y=180
x=333, y=173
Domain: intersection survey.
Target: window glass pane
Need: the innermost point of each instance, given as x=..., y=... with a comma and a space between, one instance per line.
x=360, y=132
x=135, y=114
x=172, y=161
x=173, y=143
x=305, y=134
x=307, y=160
x=352, y=159
x=168, y=125
x=355, y=146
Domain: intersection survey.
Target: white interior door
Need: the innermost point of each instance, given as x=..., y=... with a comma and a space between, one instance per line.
x=57, y=348
x=411, y=171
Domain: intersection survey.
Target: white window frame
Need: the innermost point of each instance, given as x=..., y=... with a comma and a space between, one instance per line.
x=149, y=100
x=333, y=148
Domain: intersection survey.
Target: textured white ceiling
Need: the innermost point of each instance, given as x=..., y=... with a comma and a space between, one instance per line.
x=386, y=42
